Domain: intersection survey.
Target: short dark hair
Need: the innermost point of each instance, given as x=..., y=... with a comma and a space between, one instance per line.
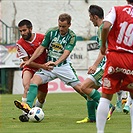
x=25, y=22
x=65, y=17
x=96, y=10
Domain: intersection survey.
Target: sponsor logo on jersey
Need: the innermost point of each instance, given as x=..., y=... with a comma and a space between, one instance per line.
x=57, y=47
x=111, y=70
x=106, y=83
x=125, y=71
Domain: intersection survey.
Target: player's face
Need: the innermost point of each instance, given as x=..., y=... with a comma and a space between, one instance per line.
x=63, y=27
x=93, y=19
x=25, y=32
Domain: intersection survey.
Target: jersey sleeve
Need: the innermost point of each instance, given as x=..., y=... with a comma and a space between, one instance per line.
x=71, y=44
x=21, y=52
x=46, y=41
x=111, y=16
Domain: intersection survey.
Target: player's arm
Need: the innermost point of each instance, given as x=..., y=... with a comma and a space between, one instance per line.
x=60, y=60
x=35, y=65
x=36, y=54
x=69, y=47
x=93, y=68
x=104, y=35
x=63, y=57
x=108, y=22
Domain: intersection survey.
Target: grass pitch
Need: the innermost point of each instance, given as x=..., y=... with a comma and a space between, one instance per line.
x=61, y=113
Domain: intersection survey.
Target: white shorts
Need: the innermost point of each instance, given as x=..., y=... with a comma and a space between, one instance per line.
x=65, y=73
x=97, y=76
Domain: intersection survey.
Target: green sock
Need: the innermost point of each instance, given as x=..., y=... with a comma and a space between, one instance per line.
x=95, y=95
x=31, y=95
x=91, y=107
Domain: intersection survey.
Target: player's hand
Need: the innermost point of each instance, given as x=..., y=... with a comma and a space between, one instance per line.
x=92, y=69
x=47, y=67
x=22, y=64
x=27, y=63
x=50, y=63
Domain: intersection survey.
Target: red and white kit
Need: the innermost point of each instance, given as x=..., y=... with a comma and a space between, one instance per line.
x=27, y=48
x=119, y=66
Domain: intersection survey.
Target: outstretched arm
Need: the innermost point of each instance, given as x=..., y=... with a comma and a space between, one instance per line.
x=36, y=54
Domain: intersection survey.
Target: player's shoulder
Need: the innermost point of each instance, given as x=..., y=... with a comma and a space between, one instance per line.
x=71, y=33
x=121, y=7
x=20, y=41
x=40, y=35
x=53, y=29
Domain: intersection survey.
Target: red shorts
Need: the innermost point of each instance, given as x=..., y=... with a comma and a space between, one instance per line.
x=118, y=74
x=44, y=87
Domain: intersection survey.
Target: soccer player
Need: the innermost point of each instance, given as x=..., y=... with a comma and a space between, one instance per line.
x=96, y=15
x=59, y=41
x=118, y=74
x=26, y=46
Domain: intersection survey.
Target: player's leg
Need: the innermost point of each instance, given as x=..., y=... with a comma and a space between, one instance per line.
x=126, y=108
x=102, y=112
x=91, y=109
x=124, y=97
x=26, y=77
x=68, y=72
x=31, y=95
x=87, y=88
x=42, y=93
x=39, y=78
x=119, y=101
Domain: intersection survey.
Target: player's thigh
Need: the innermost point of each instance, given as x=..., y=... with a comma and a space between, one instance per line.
x=36, y=80
x=27, y=75
x=67, y=74
x=87, y=83
x=46, y=76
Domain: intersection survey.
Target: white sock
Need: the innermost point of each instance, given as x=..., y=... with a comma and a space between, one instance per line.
x=38, y=104
x=24, y=100
x=124, y=94
x=102, y=112
x=128, y=103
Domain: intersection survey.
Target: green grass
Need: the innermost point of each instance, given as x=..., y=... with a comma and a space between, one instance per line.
x=61, y=113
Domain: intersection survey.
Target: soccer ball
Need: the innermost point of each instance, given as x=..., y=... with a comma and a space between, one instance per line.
x=36, y=114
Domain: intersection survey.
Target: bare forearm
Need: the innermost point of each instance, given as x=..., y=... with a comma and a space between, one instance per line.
x=35, y=65
x=63, y=57
x=99, y=59
x=37, y=53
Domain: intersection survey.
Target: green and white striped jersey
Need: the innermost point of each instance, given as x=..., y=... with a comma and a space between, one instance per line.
x=56, y=44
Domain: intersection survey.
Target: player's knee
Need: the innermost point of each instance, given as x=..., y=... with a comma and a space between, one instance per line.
x=36, y=80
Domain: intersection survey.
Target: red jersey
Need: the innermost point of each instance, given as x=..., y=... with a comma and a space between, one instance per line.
x=26, y=48
x=120, y=37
